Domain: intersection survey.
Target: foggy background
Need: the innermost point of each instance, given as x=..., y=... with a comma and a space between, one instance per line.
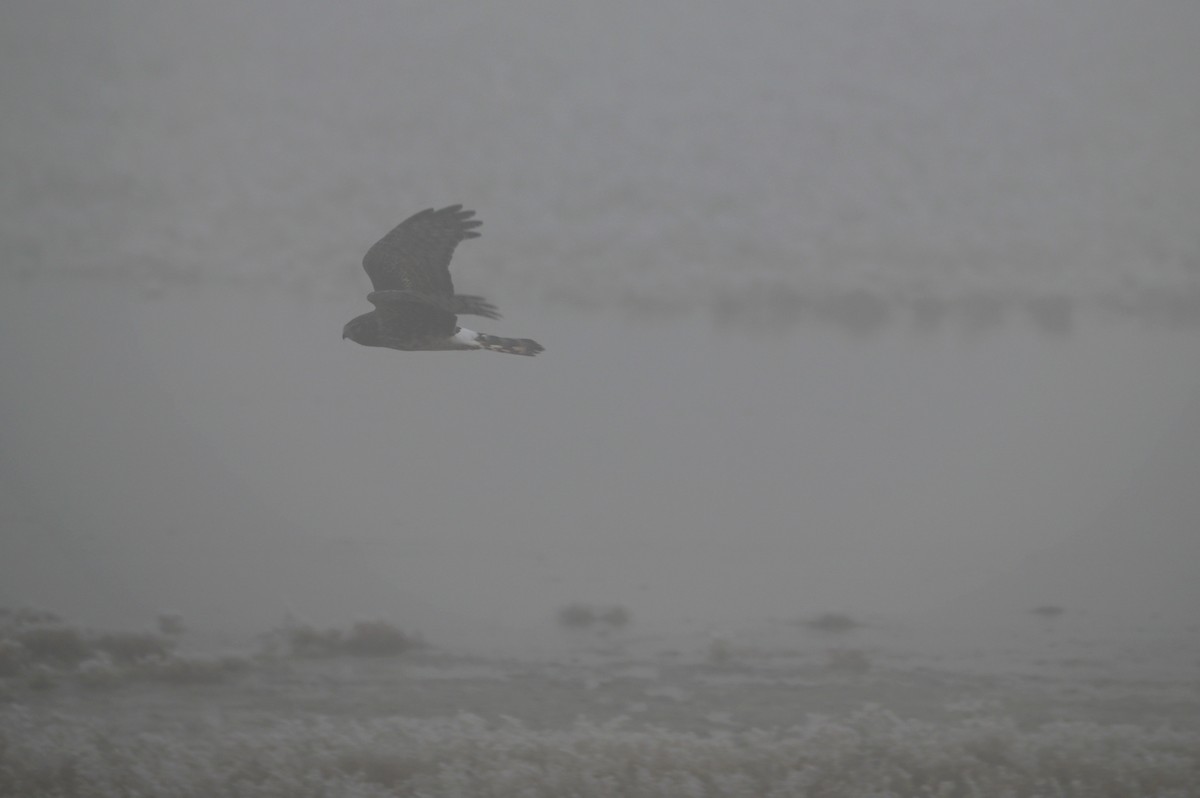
x=872, y=308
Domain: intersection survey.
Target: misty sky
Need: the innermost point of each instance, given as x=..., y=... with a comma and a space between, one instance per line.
x=853, y=307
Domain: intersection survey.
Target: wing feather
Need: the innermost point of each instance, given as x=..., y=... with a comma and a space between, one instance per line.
x=415, y=255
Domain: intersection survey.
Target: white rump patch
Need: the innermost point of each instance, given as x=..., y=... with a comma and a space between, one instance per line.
x=468, y=337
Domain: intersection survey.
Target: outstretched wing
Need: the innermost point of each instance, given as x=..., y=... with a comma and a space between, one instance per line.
x=415, y=256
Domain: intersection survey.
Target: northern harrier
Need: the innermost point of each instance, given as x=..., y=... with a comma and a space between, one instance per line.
x=414, y=299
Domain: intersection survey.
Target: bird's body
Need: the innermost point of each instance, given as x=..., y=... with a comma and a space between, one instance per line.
x=416, y=308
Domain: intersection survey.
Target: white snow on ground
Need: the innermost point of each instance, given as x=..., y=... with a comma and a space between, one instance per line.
x=870, y=752
x=779, y=713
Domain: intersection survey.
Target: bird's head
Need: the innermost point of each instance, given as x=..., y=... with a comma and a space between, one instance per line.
x=362, y=329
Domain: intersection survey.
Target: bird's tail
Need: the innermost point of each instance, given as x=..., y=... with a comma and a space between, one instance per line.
x=513, y=346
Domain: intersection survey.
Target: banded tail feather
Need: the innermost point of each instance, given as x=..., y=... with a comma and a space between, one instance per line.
x=469, y=339
x=512, y=346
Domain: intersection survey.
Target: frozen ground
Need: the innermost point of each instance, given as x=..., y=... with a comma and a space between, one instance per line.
x=773, y=711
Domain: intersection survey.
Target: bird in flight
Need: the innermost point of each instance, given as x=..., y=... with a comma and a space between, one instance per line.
x=415, y=304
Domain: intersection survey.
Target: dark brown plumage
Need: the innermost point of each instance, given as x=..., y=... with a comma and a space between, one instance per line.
x=415, y=304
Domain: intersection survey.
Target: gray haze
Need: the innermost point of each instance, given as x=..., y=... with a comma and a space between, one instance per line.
x=869, y=307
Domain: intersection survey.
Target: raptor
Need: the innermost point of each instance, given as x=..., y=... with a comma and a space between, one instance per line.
x=415, y=304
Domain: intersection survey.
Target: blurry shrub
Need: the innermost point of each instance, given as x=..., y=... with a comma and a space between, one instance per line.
x=98, y=673
x=375, y=639
x=54, y=645
x=307, y=642
x=1048, y=611
x=41, y=678
x=832, y=622
x=170, y=624
x=235, y=663
x=193, y=670
x=27, y=616
x=576, y=616
x=126, y=648
x=844, y=660
x=365, y=639
x=13, y=657
x=720, y=652
x=582, y=616
x=616, y=616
